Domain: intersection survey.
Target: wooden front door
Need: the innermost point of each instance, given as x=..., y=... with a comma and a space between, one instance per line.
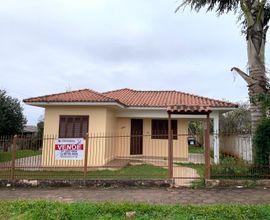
x=136, y=138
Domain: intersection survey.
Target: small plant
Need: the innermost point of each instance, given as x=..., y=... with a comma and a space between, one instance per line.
x=230, y=167
x=198, y=184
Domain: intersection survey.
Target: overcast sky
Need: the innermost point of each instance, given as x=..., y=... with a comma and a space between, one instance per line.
x=54, y=45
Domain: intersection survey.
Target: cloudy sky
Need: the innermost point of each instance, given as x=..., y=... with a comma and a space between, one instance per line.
x=54, y=45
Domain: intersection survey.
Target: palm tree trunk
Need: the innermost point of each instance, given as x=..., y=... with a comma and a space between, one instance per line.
x=256, y=78
x=256, y=63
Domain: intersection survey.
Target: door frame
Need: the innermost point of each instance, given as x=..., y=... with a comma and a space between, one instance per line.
x=139, y=138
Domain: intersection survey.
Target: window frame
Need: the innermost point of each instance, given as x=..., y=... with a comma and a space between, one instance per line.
x=73, y=117
x=164, y=135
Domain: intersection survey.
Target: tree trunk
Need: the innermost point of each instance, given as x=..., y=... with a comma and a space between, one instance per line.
x=256, y=35
x=256, y=78
x=256, y=64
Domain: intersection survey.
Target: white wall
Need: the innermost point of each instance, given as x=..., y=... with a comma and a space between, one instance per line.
x=237, y=145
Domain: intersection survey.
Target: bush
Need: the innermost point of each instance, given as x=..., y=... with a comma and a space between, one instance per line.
x=230, y=167
x=262, y=142
x=12, y=119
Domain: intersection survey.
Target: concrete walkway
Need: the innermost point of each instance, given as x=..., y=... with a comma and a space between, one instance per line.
x=156, y=195
x=32, y=161
x=196, y=158
x=184, y=176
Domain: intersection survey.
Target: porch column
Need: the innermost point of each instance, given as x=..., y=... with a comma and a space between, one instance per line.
x=170, y=147
x=207, y=148
x=216, y=137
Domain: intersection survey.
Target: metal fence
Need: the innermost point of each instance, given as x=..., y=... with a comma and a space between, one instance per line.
x=104, y=156
x=126, y=156
x=236, y=159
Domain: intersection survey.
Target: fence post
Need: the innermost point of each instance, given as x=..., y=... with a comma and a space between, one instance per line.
x=207, y=148
x=14, y=143
x=170, y=148
x=85, y=156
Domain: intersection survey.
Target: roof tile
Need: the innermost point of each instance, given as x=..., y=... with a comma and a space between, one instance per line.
x=137, y=98
x=84, y=95
x=134, y=98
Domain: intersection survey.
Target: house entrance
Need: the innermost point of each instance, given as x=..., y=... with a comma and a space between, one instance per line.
x=136, y=138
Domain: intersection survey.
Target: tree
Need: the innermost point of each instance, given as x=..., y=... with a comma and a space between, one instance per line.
x=12, y=119
x=254, y=16
x=262, y=142
x=261, y=137
x=195, y=128
x=40, y=127
x=238, y=121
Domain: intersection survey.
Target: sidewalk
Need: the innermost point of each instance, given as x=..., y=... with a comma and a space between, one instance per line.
x=156, y=195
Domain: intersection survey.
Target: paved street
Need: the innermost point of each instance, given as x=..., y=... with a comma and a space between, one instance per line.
x=155, y=195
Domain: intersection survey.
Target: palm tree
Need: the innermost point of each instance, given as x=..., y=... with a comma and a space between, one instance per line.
x=254, y=16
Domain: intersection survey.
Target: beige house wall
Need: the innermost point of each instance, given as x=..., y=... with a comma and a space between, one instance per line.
x=159, y=147
x=97, y=126
x=152, y=147
x=102, y=149
x=123, y=128
x=110, y=142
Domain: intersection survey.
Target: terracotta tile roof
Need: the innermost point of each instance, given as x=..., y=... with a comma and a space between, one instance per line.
x=134, y=98
x=137, y=98
x=84, y=95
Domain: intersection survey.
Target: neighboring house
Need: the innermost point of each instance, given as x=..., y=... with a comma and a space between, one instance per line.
x=30, y=130
x=122, y=112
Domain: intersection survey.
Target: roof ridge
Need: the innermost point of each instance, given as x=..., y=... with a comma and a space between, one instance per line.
x=117, y=90
x=101, y=94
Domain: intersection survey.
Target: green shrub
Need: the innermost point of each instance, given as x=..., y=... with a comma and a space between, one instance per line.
x=230, y=167
x=262, y=142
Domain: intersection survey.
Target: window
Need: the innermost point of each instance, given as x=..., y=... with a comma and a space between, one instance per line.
x=73, y=126
x=160, y=129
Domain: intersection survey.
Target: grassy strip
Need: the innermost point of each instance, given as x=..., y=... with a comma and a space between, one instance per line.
x=55, y=210
x=144, y=171
x=7, y=156
x=195, y=149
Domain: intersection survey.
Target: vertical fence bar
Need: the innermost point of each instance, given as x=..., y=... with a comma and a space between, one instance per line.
x=207, y=148
x=170, y=148
x=13, y=157
x=85, y=156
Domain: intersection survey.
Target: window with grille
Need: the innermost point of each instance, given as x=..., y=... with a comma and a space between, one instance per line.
x=73, y=126
x=160, y=129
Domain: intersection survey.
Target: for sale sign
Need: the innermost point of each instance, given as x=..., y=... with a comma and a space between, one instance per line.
x=69, y=149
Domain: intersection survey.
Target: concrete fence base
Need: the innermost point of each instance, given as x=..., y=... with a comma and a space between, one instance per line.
x=215, y=183
x=212, y=183
x=85, y=183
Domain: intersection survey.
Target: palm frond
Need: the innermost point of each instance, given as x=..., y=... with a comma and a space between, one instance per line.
x=220, y=6
x=266, y=14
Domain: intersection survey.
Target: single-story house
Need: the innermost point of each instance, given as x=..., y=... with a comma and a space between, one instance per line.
x=29, y=130
x=124, y=113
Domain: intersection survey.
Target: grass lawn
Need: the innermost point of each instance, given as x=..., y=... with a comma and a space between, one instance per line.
x=7, y=156
x=195, y=149
x=25, y=210
x=144, y=171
